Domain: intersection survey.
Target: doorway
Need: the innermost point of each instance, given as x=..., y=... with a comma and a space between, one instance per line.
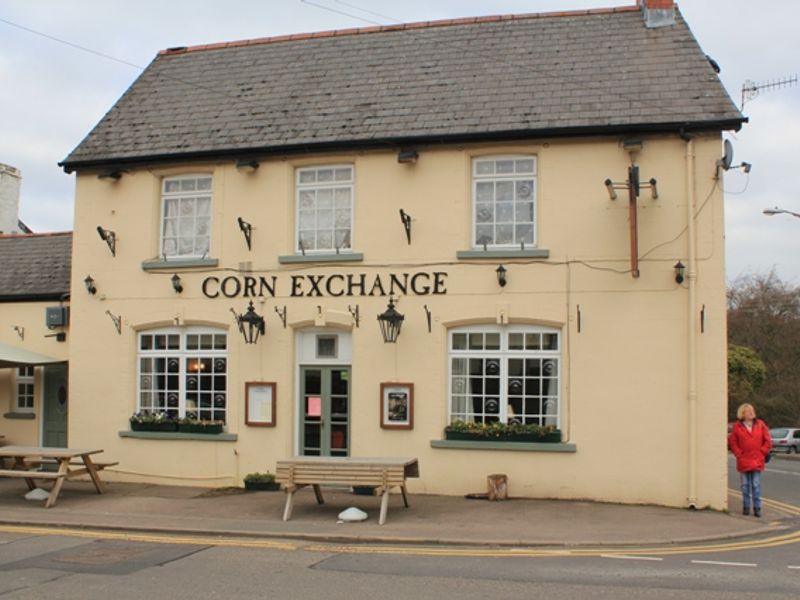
x=325, y=411
x=55, y=406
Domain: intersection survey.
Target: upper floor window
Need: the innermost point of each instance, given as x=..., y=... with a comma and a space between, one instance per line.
x=504, y=201
x=186, y=216
x=25, y=385
x=508, y=374
x=183, y=373
x=324, y=208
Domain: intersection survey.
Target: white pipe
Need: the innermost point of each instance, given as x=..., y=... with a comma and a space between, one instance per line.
x=692, y=323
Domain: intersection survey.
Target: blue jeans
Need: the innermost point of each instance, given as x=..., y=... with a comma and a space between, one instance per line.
x=751, y=488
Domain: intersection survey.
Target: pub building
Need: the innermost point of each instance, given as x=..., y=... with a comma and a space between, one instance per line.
x=344, y=243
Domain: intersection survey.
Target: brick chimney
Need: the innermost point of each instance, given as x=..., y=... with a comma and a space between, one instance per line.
x=657, y=13
x=10, y=179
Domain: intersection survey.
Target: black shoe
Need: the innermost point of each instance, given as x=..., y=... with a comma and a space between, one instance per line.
x=757, y=512
x=746, y=510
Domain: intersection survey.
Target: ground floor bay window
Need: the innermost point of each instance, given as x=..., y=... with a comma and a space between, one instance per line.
x=507, y=374
x=183, y=372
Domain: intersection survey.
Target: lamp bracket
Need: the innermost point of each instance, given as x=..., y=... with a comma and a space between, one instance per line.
x=117, y=319
x=247, y=230
x=282, y=315
x=428, y=315
x=406, y=220
x=20, y=332
x=109, y=237
x=355, y=314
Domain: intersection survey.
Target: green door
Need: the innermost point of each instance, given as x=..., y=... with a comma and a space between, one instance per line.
x=54, y=407
x=325, y=411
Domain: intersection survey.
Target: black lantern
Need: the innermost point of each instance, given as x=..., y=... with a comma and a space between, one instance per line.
x=89, y=283
x=501, y=275
x=251, y=324
x=176, y=283
x=679, y=271
x=390, y=321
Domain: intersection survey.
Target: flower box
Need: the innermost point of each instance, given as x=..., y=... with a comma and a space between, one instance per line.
x=261, y=486
x=209, y=428
x=162, y=426
x=500, y=433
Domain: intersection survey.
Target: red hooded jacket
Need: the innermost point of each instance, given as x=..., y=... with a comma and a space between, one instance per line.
x=750, y=447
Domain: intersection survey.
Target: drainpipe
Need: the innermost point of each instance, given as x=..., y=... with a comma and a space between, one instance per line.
x=692, y=322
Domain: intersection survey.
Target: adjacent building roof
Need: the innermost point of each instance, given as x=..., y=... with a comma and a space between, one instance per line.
x=34, y=266
x=490, y=77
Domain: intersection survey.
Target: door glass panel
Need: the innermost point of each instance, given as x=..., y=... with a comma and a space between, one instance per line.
x=313, y=381
x=339, y=381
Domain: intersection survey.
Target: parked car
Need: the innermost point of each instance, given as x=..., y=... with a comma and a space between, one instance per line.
x=785, y=439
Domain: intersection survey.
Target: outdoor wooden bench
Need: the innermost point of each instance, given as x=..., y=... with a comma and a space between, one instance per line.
x=381, y=473
x=71, y=462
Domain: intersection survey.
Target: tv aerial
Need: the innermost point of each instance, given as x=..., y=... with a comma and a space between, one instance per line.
x=751, y=89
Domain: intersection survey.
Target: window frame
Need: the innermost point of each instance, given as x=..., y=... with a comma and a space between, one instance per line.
x=24, y=379
x=504, y=354
x=188, y=194
x=184, y=355
x=298, y=187
x=475, y=179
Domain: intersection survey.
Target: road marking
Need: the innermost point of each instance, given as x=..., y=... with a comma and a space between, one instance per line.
x=793, y=567
x=723, y=564
x=782, y=472
x=629, y=557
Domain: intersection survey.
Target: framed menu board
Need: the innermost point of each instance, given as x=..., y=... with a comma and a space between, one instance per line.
x=260, y=403
x=397, y=405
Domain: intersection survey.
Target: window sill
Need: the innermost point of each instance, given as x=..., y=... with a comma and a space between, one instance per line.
x=289, y=259
x=178, y=263
x=19, y=415
x=173, y=435
x=508, y=446
x=503, y=253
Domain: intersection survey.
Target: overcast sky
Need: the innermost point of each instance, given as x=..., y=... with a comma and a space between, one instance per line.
x=52, y=94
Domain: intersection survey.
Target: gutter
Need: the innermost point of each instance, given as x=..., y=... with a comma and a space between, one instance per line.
x=733, y=124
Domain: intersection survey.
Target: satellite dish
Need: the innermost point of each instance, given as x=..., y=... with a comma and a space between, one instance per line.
x=727, y=159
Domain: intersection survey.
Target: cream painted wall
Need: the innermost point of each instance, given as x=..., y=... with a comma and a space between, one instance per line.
x=624, y=375
x=29, y=316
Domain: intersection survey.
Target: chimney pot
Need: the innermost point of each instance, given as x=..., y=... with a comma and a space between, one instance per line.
x=10, y=179
x=657, y=13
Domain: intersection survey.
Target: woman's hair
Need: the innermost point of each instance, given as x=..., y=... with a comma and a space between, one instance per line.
x=742, y=408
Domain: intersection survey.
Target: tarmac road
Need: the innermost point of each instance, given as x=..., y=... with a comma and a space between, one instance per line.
x=780, y=481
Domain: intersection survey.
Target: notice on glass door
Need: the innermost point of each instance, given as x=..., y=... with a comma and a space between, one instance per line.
x=313, y=406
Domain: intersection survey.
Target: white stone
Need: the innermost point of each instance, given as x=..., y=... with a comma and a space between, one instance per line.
x=352, y=515
x=37, y=494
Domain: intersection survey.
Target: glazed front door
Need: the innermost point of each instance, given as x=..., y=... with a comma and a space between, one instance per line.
x=325, y=411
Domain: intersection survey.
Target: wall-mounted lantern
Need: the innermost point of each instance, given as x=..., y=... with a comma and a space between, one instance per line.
x=251, y=324
x=112, y=176
x=407, y=157
x=679, y=272
x=176, y=283
x=90, y=286
x=501, y=276
x=390, y=321
x=247, y=166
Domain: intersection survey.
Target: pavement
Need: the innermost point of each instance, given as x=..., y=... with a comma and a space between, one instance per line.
x=440, y=520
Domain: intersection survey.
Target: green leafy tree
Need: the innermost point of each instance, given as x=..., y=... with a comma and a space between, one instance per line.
x=746, y=375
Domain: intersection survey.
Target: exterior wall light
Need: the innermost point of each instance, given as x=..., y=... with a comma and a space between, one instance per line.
x=112, y=176
x=679, y=272
x=176, y=283
x=247, y=166
x=501, y=276
x=390, y=321
x=90, y=286
x=407, y=157
x=109, y=237
x=251, y=324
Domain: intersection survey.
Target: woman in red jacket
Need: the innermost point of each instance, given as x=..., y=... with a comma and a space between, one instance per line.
x=750, y=443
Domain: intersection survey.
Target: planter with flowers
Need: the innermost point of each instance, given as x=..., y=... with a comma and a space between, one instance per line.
x=148, y=421
x=264, y=482
x=502, y=432
x=198, y=426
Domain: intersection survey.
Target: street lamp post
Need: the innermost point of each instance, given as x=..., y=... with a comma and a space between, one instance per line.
x=778, y=211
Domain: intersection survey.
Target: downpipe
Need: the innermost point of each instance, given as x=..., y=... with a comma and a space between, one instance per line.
x=691, y=323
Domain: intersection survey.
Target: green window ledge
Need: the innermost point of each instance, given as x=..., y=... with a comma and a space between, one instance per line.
x=508, y=253
x=178, y=263
x=19, y=415
x=174, y=435
x=508, y=446
x=290, y=259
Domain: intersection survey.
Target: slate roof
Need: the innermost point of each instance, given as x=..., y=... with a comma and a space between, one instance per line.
x=490, y=77
x=34, y=266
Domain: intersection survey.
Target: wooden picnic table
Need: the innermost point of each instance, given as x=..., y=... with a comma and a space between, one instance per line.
x=380, y=473
x=71, y=462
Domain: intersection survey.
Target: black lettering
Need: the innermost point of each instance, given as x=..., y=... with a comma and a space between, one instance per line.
x=297, y=284
x=237, y=287
x=205, y=287
x=377, y=284
x=438, y=283
x=350, y=284
x=249, y=286
x=314, y=280
x=264, y=283
x=420, y=291
x=395, y=281
x=328, y=285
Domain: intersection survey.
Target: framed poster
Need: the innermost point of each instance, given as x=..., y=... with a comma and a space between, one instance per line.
x=397, y=405
x=259, y=399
